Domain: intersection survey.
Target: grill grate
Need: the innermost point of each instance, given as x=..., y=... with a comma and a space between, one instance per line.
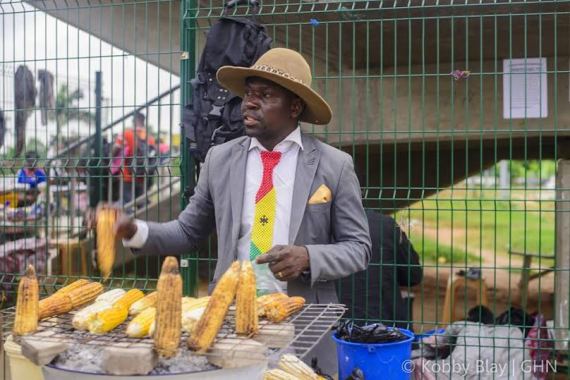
x=310, y=325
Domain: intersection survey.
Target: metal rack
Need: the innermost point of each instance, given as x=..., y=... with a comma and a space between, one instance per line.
x=310, y=325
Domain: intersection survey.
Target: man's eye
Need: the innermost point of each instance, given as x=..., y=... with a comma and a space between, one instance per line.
x=267, y=95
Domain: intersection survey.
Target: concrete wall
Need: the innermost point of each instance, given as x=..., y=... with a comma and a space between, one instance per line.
x=429, y=105
x=149, y=30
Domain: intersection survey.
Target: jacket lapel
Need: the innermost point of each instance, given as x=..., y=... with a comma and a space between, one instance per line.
x=237, y=183
x=307, y=164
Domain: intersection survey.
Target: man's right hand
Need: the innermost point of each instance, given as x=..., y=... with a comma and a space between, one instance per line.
x=125, y=227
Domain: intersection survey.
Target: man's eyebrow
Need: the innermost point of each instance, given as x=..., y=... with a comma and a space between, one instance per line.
x=261, y=86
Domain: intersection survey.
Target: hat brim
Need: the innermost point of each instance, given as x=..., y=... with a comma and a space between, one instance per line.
x=317, y=110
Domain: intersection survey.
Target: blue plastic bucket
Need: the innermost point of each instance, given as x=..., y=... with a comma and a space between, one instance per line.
x=428, y=333
x=378, y=360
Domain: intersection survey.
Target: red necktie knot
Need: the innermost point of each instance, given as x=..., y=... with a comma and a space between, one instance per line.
x=269, y=161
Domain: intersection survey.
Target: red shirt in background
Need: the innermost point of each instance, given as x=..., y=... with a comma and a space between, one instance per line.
x=129, y=142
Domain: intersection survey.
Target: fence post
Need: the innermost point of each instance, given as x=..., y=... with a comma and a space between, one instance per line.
x=562, y=272
x=189, y=268
x=95, y=179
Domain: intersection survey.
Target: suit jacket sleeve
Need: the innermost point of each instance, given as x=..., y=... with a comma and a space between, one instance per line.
x=350, y=250
x=194, y=223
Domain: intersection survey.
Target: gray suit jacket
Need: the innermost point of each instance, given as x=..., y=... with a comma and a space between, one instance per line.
x=335, y=233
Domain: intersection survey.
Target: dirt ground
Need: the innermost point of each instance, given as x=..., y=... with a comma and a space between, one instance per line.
x=502, y=293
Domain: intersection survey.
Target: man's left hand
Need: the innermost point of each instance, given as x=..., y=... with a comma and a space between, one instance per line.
x=287, y=262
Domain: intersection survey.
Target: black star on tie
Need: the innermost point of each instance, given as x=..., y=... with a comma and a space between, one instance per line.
x=264, y=220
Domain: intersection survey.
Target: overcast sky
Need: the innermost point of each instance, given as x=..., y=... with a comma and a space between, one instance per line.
x=34, y=38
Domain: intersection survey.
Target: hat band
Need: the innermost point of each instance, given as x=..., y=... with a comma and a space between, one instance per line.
x=281, y=73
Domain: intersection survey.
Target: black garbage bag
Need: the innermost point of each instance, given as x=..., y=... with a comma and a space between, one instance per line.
x=373, y=333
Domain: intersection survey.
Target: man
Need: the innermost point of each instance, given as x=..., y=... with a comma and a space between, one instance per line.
x=374, y=294
x=276, y=196
x=128, y=145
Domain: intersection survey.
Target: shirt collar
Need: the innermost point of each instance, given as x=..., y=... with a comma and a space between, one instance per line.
x=293, y=138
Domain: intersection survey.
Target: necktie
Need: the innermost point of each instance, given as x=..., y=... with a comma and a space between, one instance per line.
x=265, y=207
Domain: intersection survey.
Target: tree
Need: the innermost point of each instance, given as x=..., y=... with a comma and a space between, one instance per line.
x=67, y=108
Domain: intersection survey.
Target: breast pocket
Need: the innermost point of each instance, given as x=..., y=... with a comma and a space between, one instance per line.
x=318, y=225
x=319, y=207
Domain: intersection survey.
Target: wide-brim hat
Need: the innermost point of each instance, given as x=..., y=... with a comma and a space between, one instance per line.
x=288, y=69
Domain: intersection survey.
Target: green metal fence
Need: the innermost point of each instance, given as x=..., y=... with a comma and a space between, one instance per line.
x=456, y=114
x=91, y=67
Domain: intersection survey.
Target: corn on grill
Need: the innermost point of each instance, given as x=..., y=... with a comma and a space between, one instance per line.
x=310, y=325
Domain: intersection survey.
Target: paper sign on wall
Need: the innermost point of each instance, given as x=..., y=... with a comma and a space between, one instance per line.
x=525, y=88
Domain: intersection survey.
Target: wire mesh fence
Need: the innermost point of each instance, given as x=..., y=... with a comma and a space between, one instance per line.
x=455, y=112
x=75, y=101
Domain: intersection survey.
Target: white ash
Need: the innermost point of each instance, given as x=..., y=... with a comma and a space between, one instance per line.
x=80, y=357
x=184, y=362
x=86, y=358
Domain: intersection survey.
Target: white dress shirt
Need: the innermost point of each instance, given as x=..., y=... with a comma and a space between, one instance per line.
x=283, y=181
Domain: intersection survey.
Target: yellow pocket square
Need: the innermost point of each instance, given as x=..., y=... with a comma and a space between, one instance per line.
x=322, y=195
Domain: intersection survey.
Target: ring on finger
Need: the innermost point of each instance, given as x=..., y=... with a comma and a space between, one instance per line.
x=279, y=274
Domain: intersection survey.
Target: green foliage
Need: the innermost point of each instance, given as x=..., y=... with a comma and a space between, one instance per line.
x=431, y=251
x=32, y=144
x=67, y=108
x=536, y=169
x=483, y=224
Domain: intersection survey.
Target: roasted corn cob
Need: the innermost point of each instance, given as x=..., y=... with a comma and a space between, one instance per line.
x=111, y=296
x=27, y=304
x=148, y=301
x=186, y=300
x=106, y=218
x=192, y=312
x=108, y=319
x=84, y=295
x=76, y=294
x=55, y=305
x=129, y=298
x=211, y=321
x=192, y=309
x=277, y=374
x=85, y=316
x=74, y=285
x=294, y=366
x=139, y=326
x=280, y=310
x=168, y=309
x=267, y=299
x=194, y=303
x=247, y=322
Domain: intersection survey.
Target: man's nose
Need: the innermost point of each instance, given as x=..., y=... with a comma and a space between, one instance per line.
x=250, y=103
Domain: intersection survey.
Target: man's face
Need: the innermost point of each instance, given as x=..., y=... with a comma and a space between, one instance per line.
x=268, y=109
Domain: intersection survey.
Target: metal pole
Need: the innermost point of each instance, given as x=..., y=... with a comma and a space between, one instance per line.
x=562, y=272
x=189, y=268
x=96, y=173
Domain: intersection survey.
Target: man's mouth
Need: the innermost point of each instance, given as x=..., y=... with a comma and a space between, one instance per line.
x=249, y=121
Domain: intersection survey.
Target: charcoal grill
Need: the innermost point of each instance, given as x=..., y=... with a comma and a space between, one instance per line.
x=298, y=335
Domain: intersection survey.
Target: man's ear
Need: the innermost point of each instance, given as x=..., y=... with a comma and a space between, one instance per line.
x=297, y=108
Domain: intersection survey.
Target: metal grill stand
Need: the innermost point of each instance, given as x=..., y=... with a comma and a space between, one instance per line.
x=298, y=335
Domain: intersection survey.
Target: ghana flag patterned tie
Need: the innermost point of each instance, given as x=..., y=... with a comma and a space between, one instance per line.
x=265, y=207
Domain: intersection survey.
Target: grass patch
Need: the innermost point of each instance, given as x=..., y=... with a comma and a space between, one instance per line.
x=432, y=252
x=486, y=223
